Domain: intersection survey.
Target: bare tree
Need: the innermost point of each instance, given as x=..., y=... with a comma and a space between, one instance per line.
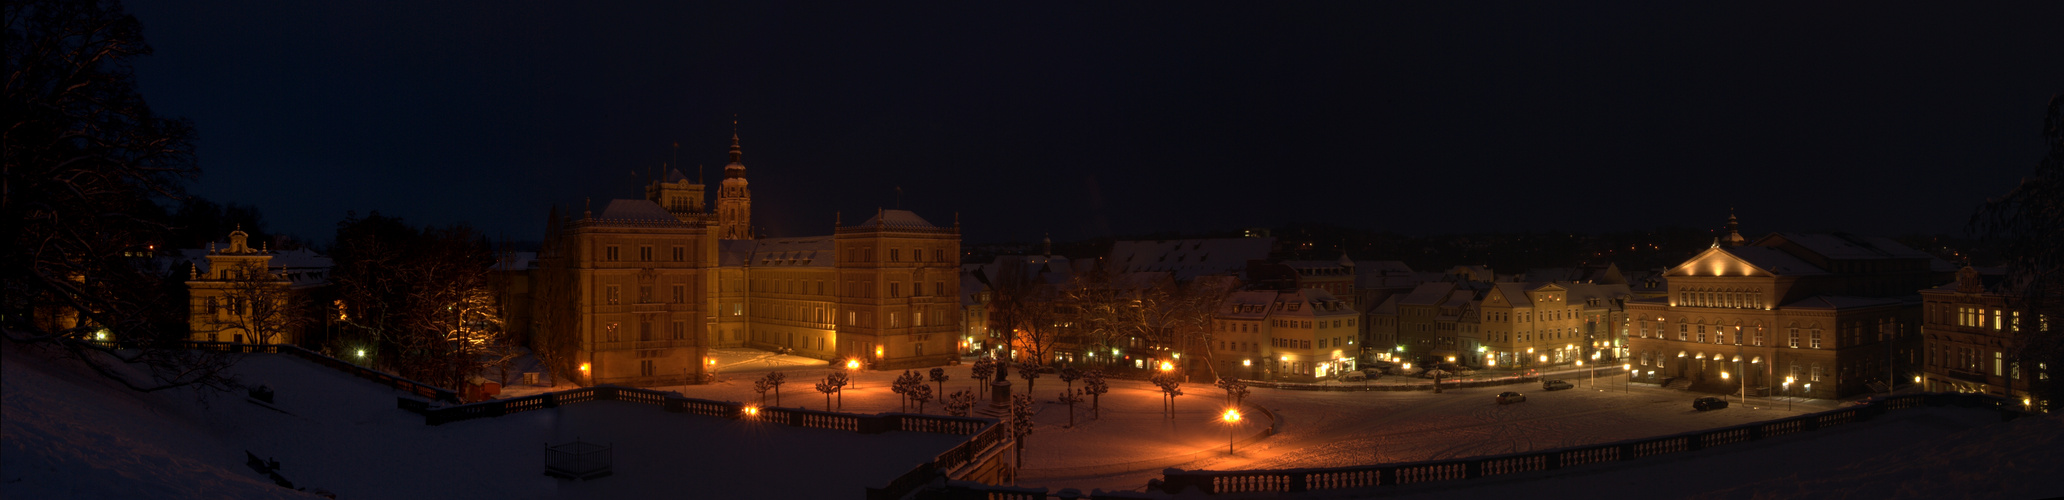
x=1021, y=423
x=905, y=384
x=939, y=375
x=262, y=305
x=1094, y=385
x=1235, y=390
x=775, y=379
x=1170, y=383
x=2028, y=225
x=1030, y=374
x=86, y=165
x=839, y=380
x=959, y=403
x=984, y=368
x=1070, y=397
x=921, y=394
x=827, y=387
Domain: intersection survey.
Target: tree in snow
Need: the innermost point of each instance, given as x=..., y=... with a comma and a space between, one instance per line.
x=262, y=305
x=1070, y=397
x=1031, y=375
x=839, y=380
x=1235, y=390
x=1170, y=383
x=958, y=403
x=1093, y=384
x=939, y=375
x=762, y=385
x=984, y=369
x=428, y=298
x=773, y=381
x=920, y=394
x=904, y=384
x=825, y=386
x=1070, y=375
x=88, y=165
x=1021, y=423
x=2027, y=225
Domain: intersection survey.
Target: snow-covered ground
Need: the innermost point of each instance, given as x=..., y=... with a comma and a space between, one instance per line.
x=1929, y=453
x=69, y=434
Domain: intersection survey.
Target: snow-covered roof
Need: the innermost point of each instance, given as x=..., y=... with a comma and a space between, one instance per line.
x=805, y=251
x=1427, y=294
x=898, y=219
x=1771, y=259
x=1849, y=246
x=1248, y=304
x=635, y=211
x=1842, y=302
x=1189, y=259
x=515, y=261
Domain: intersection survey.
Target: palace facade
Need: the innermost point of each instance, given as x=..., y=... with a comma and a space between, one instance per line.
x=1976, y=336
x=1812, y=315
x=638, y=293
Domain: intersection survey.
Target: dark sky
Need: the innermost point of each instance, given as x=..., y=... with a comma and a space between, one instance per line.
x=1097, y=120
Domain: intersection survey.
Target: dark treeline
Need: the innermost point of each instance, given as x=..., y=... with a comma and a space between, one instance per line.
x=1510, y=252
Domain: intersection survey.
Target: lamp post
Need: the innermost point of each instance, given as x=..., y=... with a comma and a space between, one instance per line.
x=1232, y=420
x=1625, y=385
x=1744, y=379
x=1788, y=393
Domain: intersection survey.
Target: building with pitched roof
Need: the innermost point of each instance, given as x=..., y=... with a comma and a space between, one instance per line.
x=1974, y=337
x=638, y=293
x=1298, y=334
x=1828, y=313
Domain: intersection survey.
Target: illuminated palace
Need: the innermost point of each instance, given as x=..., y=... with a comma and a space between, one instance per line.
x=1832, y=314
x=637, y=293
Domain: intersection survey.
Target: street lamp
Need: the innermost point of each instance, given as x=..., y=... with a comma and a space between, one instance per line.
x=1788, y=392
x=852, y=365
x=1625, y=385
x=1594, y=373
x=1232, y=420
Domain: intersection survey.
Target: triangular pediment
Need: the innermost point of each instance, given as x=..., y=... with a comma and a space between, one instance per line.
x=1717, y=262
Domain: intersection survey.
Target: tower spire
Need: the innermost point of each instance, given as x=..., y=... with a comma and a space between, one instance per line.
x=1733, y=237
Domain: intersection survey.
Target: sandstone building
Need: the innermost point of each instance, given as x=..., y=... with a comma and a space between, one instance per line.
x=1830, y=313
x=638, y=293
x=1974, y=338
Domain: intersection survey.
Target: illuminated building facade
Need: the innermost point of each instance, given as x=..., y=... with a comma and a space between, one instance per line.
x=638, y=293
x=1301, y=335
x=1973, y=335
x=1830, y=313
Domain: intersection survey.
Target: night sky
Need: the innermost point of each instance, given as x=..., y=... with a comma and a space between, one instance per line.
x=1113, y=120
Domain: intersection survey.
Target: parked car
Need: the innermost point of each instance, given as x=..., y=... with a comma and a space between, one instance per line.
x=1555, y=385
x=1708, y=403
x=1509, y=397
x=1354, y=376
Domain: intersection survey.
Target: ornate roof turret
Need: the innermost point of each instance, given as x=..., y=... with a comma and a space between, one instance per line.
x=736, y=169
x=1733, y=237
